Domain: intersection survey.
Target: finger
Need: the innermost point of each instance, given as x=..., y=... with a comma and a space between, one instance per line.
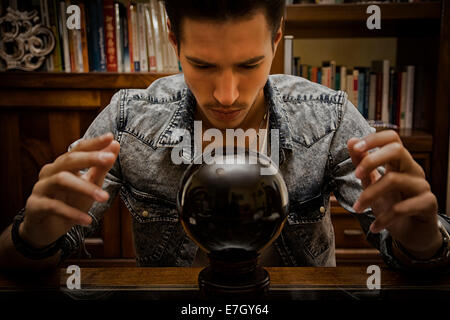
x=58, y=208
x=392, y=154
x=97, y=174
x=94, y=144
x=421, y=205
x=68, y=182
x=75, y=161
x=408, y=185
x=357, y=157
x=377, y=139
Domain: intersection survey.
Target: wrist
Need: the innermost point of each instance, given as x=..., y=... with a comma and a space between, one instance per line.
x=423, y=252
x=440, y=258
x=27, y=237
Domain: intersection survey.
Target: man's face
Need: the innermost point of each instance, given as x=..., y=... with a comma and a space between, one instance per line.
x=226, y=65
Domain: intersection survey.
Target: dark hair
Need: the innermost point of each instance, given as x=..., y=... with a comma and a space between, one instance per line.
x=223, y=10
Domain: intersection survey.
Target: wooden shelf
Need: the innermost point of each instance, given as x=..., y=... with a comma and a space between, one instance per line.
x=91, y=80
x=349, y=20
x=357, y=11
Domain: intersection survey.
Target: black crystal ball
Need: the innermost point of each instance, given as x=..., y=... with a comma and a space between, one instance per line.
x=231, y=206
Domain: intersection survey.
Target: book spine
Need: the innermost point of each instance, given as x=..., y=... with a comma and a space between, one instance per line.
x=156, y=32
x=366, y=93
x=92, y=36
x=150, y=39
x=142, y=37
x=65, y=37
x=125, y=38
x=84, y=41
x=288, y=54
x=361, y=80
x=385, y=103
x=403, y=100
x=135, y=37
x=379, y=97
x=372, y=95
x=131, y=43
x=110, y=36
x=119, y=38
x=399, y=98
x=45, y=21
x=164, y=37
x=53, y=15
x=391, y=96
x=101, y=46
x=409, y=97
x=355, y=89
x=343, y=78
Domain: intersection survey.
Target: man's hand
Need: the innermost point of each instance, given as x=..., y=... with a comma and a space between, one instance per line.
x=62, y=196
x=401, y=199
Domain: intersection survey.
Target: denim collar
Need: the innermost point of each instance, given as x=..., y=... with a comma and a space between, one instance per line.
x=183, y=117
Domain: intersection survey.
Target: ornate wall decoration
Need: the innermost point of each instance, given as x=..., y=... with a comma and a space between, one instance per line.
x=24, y=42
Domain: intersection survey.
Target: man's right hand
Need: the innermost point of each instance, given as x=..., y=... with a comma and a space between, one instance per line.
x=63, y=196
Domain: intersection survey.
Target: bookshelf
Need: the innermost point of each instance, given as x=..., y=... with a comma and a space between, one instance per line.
x=41, y=113
x=422, y=31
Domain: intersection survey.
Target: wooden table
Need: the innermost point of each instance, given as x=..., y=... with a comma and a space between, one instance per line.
x=340, y=283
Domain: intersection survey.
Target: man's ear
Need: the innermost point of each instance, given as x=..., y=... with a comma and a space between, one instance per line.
x=173, y=38
x=278, y=36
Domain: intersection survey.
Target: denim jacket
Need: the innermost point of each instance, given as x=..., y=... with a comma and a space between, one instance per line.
x=314, y=123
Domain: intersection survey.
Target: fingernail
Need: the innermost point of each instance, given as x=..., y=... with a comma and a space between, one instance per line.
x=360, y=145
x=101, y=195
x=359, y=171
x=356, y=206
x=106, y=156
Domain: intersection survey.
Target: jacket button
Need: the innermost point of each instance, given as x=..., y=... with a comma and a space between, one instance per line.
x=144, y=214
x=322, y=209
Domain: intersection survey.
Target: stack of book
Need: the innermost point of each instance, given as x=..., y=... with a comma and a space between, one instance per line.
x=380, y=92
x=114, y=36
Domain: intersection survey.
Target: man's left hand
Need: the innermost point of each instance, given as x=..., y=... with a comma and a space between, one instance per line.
x=401, y=199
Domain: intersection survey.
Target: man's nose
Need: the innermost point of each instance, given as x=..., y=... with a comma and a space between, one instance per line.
x=226, y=90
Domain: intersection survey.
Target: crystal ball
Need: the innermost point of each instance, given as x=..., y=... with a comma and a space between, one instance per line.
x=233, y=205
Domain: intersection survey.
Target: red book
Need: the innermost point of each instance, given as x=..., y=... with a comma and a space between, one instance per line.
x=110, y=35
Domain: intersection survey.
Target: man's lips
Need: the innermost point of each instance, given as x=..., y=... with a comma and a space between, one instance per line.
x=226, y=114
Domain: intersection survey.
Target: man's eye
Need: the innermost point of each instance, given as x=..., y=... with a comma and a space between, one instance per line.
x=249, y=66
x=202, y=67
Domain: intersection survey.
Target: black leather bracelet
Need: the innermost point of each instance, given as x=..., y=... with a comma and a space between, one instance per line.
x=25, y=249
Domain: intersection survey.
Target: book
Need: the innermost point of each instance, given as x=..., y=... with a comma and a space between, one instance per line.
x=95, y=36
x=64, y=36
x=372, y=95
x=363, y=90
x=403, y=95
x=84, y=42
x=133, y=37
x=288, y=53
x=355, y=95
x=119, y=37
x=150, y=39
x=409, y=113
x=381, y=67
x=142, y=37
x=125, y=38
x=157, y=35
x=343, y=78
x=110, y=36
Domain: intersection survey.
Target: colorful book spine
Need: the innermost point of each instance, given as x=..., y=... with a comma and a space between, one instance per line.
x=110, y=36
x=84, y=41
x=142, y=37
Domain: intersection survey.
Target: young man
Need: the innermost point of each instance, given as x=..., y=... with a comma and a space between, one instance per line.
x=226, y=49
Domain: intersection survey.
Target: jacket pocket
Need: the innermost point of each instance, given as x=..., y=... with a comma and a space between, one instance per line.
x=147, y=208
x=308, y=229
x=308, y=211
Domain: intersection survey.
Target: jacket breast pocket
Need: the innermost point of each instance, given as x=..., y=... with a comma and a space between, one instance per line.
x=308, y=228
x=156, y=229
